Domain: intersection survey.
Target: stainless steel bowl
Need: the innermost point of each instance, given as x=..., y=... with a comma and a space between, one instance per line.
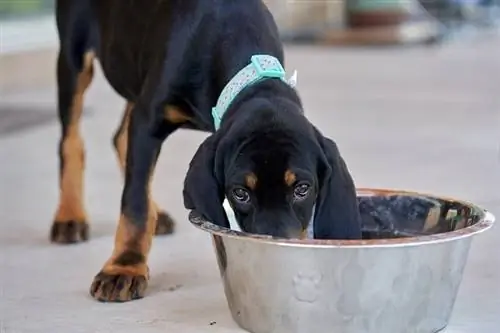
x=397, y=284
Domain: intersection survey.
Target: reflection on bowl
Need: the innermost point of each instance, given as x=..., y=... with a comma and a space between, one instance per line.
x=402, y=277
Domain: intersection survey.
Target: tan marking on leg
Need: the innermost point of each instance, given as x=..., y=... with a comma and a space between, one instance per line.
x=121, y=138
x=290, y=178
x=121, y=142
x=251, y=180
x=71, y=206
x=175, y=115
x=129, y=238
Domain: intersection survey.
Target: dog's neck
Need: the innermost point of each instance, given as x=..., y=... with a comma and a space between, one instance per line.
x=273, y=90
x=262, y=67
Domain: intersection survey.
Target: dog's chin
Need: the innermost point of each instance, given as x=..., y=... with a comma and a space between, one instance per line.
x=287, y=233
x=296, y=235
x=303, y=234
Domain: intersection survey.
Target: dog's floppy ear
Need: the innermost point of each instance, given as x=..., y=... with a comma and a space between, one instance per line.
x=203, y=191
x=336, y=213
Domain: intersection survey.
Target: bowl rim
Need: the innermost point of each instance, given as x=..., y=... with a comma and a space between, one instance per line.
x=486, y=221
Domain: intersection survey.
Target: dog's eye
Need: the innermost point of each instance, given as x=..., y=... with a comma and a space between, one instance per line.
x=301, y=191
x=241, y=195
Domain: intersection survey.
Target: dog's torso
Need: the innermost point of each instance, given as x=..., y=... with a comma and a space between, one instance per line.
x=177, y=52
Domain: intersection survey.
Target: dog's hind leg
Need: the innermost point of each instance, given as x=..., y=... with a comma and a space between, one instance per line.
x=165, y=224
x=70, y=223
x=74, y=75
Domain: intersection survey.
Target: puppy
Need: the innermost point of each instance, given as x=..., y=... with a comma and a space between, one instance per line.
x=274, y=167
x=171, y=60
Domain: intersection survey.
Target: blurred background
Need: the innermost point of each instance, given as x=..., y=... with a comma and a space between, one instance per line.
x=409, y=90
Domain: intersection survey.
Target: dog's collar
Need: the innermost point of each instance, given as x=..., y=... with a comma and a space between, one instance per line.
x=261, y=67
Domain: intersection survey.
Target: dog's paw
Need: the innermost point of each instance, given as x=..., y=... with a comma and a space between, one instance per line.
x=119, y=287
x=69, y=232
x=165, y=225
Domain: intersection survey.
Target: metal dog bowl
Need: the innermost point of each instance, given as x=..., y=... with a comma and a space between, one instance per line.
x=403, y=277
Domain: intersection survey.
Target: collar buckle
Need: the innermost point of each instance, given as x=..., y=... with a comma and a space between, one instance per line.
x=267, y=66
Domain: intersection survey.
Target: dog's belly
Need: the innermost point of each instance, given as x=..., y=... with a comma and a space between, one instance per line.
x=119, y=75
x=132, y=39
x=127, y=66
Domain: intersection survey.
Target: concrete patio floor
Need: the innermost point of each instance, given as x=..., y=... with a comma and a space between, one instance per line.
x=419, y=119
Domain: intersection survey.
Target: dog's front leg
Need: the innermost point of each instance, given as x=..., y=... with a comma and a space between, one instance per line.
x=124, y=276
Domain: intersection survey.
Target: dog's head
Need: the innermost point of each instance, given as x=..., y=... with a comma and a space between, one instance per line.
x=275, y=168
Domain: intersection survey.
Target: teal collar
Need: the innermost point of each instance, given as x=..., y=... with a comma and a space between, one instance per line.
x=261, y=67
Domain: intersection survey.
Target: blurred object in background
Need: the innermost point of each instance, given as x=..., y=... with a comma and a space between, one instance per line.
x=364, y=22
x=333, y=21
x=292, y=15
x=340, y=22
x=465, y=17
x=377, y=13
x=27, y=25
x=28, y=44
x=20, y=9
x=453, y=12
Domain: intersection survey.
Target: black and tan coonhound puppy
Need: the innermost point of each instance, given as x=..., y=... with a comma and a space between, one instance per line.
x=171, y=60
